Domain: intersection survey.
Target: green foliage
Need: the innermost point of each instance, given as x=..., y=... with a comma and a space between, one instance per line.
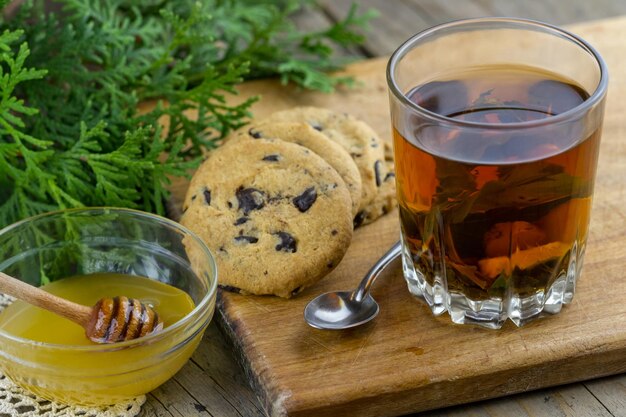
x=71, y=83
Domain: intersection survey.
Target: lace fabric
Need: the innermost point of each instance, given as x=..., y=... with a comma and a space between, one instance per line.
x=17, y=402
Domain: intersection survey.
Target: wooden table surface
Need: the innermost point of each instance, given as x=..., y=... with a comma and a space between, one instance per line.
x=213, y=384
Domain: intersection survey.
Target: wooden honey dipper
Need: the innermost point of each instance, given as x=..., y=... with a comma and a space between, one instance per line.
x=110, y=320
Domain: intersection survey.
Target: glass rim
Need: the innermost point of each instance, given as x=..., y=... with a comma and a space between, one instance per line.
x=408, y=45
x=190, y=318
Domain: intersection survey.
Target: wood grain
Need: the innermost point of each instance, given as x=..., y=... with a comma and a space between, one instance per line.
x=395, y=23
x=570, y=400
x=611, y=392
x=407, y=360
x=401, y=18
x=211, y=384
x=554, y=11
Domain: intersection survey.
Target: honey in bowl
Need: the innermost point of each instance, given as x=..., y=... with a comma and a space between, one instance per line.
x=29, y=322
x=105, y=245
x=100, y=368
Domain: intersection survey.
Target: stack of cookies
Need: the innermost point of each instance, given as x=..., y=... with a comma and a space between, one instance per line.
x=277, y=202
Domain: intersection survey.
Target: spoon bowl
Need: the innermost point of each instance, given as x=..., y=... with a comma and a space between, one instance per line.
x=338, y=310
x=345, y=309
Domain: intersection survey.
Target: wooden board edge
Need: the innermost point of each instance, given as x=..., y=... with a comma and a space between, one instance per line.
x=229, y=330
x=271, y=399
x=561, y=372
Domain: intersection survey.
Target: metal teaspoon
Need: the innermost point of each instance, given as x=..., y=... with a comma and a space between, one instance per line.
x=344, y=309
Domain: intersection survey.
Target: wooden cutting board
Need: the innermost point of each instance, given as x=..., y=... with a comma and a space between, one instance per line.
x=407, y=360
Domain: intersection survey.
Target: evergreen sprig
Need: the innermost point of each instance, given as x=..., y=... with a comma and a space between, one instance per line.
x=103, y=102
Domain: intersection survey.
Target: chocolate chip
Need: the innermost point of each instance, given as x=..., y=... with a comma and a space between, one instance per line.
x=287, y=243
x=207, y=196
x=246, y=239
x=250, y=199
x=377, y=172
x=358, y=219
x=229, y=204
x=272, y=158
x=255, y=133
x=334, y=232
x=330, y=265
x=241, y=221
x=230, y=288
x=390, y=175
x=355, y=155
x=305, y=200
x=296, y=291
x=193, y=197
x=317, y=127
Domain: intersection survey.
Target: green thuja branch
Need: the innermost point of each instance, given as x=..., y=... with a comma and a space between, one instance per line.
x=102, y=103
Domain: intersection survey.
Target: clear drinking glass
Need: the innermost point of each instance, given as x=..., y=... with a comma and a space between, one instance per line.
x=496, y=127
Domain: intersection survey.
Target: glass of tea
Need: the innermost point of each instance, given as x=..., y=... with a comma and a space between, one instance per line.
x=496, y=126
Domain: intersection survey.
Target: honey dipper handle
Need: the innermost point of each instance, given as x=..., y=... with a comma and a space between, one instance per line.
x=32, y=295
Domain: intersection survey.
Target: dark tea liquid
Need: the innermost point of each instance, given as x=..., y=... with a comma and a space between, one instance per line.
x=487, y=209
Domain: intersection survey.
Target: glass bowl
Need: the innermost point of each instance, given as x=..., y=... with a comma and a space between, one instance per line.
x=96, y=240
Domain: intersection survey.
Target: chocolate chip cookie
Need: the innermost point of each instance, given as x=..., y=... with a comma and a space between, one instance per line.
x=276, y=216
x=361, y=142
x=303, y=134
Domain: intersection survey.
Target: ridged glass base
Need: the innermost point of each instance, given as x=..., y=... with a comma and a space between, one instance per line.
x=492, y=313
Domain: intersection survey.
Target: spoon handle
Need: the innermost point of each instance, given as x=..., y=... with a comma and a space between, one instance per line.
x=364, y=286
x=32, y=295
